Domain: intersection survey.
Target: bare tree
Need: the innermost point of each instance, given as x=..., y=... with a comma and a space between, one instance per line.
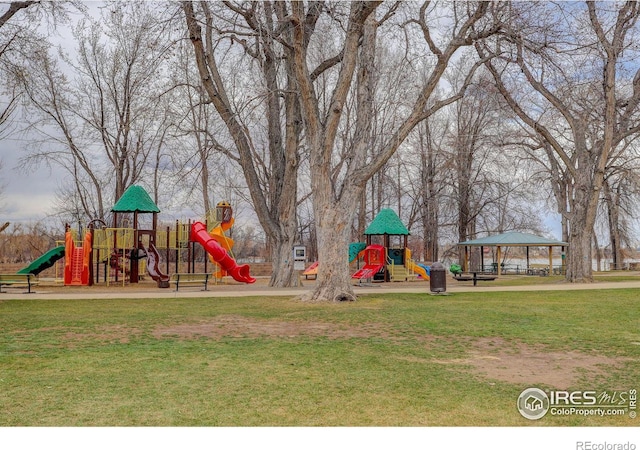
x=13, y=8
x=473, y=145
x=110, y=119
x=271, y=171
x=620, y=194
x=19, y=25
x=335, y=199
x=426, y=182
x=572, y=62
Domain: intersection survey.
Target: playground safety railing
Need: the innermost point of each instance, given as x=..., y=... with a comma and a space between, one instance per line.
x=410, y=264
x=390, y=267
x=59, y=267
x=174, y=239
x=113, y=238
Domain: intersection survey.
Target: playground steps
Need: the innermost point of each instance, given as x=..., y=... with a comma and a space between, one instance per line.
x=398, y=273
x=76, y=266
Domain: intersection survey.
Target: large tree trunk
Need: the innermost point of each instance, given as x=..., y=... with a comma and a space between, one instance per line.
x=283, y=273
x=335, y=206
x=275, y=204
x=579, y=269
x=333, y=236
x=584, y=207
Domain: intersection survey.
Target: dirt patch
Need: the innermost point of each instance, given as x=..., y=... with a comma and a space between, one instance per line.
x=109, y=334
x=243, y=327
x=521, y=363
x=68, y=338
x=490, y=358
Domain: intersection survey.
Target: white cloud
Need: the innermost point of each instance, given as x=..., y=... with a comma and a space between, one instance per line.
x=25, y=196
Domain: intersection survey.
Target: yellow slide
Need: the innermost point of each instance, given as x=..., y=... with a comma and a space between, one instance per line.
x=419, y=270
x=415, y=268
x=217, y=233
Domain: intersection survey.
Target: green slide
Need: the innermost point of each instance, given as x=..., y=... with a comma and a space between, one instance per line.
x=45, y=261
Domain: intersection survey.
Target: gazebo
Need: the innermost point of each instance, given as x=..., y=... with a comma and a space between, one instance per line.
x=510, y=239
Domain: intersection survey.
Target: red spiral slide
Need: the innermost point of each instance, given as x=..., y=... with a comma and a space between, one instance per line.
x=239, y=273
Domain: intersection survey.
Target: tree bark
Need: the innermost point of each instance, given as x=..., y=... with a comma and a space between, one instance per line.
x=274, y=204
x=430, y=195
x=335, y=203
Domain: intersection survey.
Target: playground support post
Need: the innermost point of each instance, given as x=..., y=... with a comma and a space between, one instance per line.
x=168, y=248
x=177, y=247
x=90, y=230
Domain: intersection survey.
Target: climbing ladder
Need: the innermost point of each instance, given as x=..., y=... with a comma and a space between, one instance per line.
x=77, y=266
x=77, y=260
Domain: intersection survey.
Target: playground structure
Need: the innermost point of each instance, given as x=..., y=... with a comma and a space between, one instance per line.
x=392, y=258
x=220, y=255
x=77, y=260
x=375, y=259
x=45, y=261
x=123, y=254
x=387, y=261
x=355, y=250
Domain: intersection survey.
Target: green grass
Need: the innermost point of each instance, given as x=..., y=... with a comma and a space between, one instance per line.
x=534, y=280
x=274, y=361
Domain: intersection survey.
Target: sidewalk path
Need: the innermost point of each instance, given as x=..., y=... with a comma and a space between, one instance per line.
x=148, y=290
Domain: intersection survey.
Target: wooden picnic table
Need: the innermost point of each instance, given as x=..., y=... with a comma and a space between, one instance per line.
x=473, y=276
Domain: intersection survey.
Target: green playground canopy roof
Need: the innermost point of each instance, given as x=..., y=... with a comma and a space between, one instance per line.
x=387, y=222
x=135, y=199
x=514, y=239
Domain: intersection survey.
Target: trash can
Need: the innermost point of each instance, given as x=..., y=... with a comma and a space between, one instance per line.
x=438, y=278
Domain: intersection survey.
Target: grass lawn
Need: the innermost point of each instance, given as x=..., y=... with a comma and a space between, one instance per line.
x=402, y=359
x=528, y=280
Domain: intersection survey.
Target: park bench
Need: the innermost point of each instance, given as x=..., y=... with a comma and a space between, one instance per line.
x=473, y=277
x=18, y=279
x=181, y=279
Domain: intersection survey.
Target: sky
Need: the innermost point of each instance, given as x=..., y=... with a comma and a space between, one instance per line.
x=28, y=197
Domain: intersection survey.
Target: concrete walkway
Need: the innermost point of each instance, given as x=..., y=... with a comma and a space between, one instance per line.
x=260, y=289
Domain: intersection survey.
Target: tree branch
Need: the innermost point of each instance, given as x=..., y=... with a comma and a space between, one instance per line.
x=14, y=7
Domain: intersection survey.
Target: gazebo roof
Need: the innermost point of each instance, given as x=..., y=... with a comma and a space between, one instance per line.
x=514, y=239
x=135, y=199
x=387, y=222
